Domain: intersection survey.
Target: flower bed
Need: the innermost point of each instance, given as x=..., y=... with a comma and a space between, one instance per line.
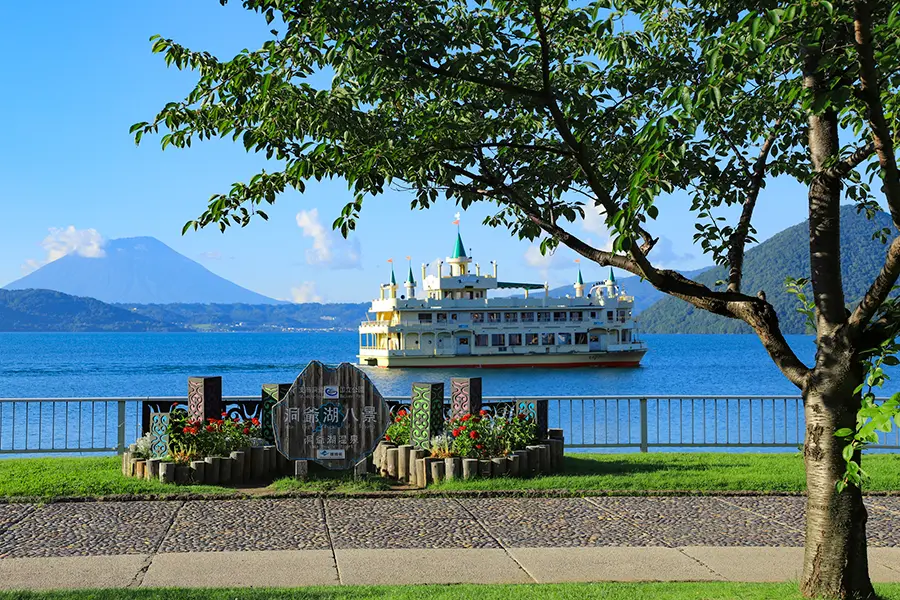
x=225, y=451
x=472, y=445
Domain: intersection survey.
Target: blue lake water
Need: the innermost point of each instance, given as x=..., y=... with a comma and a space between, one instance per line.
x=158, y=364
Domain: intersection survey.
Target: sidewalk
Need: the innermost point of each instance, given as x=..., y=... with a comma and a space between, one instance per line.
x=298, y=542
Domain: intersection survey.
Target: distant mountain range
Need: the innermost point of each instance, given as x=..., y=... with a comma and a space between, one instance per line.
x=46, y=310
x=766, y=267
x=140, y=270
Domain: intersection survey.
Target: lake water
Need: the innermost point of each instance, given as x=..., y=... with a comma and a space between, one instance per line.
x=158, y=364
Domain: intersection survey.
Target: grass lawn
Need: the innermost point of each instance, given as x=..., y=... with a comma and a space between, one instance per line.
x=576, y=591
x=101, y=476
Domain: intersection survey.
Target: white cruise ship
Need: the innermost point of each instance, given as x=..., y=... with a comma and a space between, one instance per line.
x=453, y=323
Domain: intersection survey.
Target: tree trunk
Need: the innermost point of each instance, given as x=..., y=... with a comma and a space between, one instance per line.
x=835, y=563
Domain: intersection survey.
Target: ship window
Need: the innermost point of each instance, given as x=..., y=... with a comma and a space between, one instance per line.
x=515, y=339
x=626, y=336
x=442, y=317
x=493, y=317
x=564, y=339
x=543, y=317
x=593, y=314
x=477, y=317
x=424, y=317
x=498, y=339
x=548, y=339
x=575, y=316
x=510, y=317
x=581, y=338
x=453, y=317
x=559, y=316
x=481, y=339
x=531, y=339
x=528, y=317
x=609, y=315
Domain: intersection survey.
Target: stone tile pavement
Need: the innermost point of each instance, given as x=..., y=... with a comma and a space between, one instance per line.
x=348, y=541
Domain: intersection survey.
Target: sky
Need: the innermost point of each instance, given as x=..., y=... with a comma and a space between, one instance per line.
x=77, y=75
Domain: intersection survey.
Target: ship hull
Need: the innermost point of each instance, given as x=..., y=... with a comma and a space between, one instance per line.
x=630, y=358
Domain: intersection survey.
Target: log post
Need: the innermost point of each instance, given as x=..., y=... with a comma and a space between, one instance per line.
x=139, y=468
x=512, y=466
x=268, y=459
x=469, y=468
x=213, y=466
x=534, y=460
x=182, y=474
x=392, y=459
x=556, y=454
x=498, y=466
x=403, y=462
x=485, y=468
x=198, y=471
x=225, y=466
x=544, y=453
x=437, y=470
x=422, y=474
x=524, y=469
x=452, y=468
x=151, y=471
x=167, y=472
x=237, y=466
x=257, y=462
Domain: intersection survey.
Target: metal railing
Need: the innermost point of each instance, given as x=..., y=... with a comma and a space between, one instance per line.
x=62, y=425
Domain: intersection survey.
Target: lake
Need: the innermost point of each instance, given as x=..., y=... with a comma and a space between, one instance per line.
x=158, y=364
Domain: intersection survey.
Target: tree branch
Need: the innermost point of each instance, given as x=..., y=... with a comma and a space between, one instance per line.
x=884, y=148
x=738, y=240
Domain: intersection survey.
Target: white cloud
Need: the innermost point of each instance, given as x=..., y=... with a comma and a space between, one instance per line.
x=665, y=255
x=595, y=223
x=535, y=259
x=83, y=242
x=306, y=292
x=329, y=249
x=211, y=255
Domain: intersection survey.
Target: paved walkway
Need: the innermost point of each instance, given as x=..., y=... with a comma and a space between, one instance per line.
x=295, y=542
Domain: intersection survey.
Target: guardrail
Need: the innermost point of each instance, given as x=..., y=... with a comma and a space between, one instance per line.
x=106, y=425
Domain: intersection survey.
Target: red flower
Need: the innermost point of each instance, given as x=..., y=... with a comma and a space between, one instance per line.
x=235, y=420
x=397, y=420
x=479, y=446
x=462, y=427
x=186, y=430
x=473, y=435
x=456, y=432
x=482, y=412
x=255, y=421
x=387, y=437
x=210, y=428
x=521, y=416
x=402, y=413
x=246, y=430
x=224, y=414
x=466, y=417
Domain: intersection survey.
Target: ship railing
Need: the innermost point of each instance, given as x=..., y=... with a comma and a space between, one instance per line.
x=639, y=422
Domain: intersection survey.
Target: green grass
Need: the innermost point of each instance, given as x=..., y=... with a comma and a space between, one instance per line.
x=685, y=471
x=101, y=476
x=574, y=591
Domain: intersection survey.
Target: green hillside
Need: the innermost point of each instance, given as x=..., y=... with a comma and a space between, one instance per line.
x=255, y=317
x=47, y=310
x=768, y=265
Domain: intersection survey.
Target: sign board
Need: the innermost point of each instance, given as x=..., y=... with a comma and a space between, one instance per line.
x=332, y=415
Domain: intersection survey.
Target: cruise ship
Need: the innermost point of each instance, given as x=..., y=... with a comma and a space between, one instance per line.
x=453, y=323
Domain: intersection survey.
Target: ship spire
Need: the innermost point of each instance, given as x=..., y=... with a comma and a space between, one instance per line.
x=612, y=276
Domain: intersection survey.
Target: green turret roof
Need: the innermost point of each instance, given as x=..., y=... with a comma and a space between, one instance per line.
x=460, y=250
x=612, y=276
x=393, y=279
x=579, y=281
x=409, y=278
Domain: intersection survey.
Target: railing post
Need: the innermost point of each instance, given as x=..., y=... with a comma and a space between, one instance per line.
x=644, y=441
x=120, y=427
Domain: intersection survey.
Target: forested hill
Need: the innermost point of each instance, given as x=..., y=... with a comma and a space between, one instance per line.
x=47, y=310
x=768, y=265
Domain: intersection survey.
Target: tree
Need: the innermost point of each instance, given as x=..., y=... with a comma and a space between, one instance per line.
x=548, y=110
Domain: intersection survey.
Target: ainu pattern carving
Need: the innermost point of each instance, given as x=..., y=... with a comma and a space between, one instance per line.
x=537, y=409
x=195, y=398
x=465, y=398
x=159, y=434
x=427, y=413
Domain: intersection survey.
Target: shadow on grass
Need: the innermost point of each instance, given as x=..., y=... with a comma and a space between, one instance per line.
x=592, y=466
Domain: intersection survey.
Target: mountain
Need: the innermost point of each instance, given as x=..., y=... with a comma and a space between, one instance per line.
x=645, y=295
x=245, y=317
x=766, y=267
x=47, y=310
x=139, y=270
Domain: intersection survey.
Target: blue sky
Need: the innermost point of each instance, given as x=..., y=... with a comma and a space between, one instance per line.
x=77, y=75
